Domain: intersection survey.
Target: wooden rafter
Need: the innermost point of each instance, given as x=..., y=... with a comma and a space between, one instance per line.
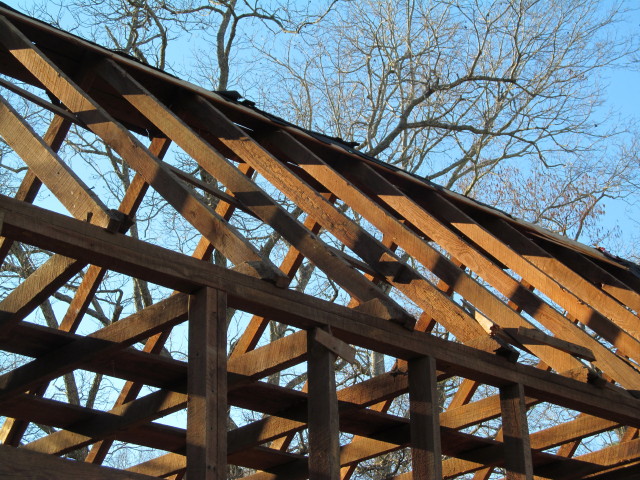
x=486, y=279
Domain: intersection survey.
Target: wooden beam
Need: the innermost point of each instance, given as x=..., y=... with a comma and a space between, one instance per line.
x=121, y=418
x=585, y=302
x=285, y=145
x=368, y=180
x=207, y=386
x=324, y=434
x=192, y=208
x=127, y=255
x=30, y=184
x=561, y=327
x=58, y=111
x=245, y=190
x=129, y=364
x=531, y=336
x=612, y=456
x=424, y=415
x=155, y=344
x=100, y=344
x=360, y=447
x=20, y=463
x=606, y=360
x=468, y=449
x=13, y=429
x=89, y=422
x=595, y=274
x=35, y=289
x=517, y=447
x=289, y=266
x=65, y=185
x=245, y=368
x=282, y=353
x=338, y=347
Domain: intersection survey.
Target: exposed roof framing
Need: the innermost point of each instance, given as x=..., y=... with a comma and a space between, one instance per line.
x=497, y=285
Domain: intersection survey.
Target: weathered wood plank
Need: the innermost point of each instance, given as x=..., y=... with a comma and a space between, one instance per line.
x=35, y=289
x=202, y=218
x=100, y=344
x=289, y=266
x=594, y=273
x=207, y=386
x=251, y=366
x=529, y=336
x=517, y=446
x=245, y=190
x=121, y=418
x=127, y=255
x=562, y=328
x=338, y=347
x=583, y=300
x=30, y=184
x=324, y=433
x=424, y=415
x=369, y=180
x=20, y=463
x=67, y=187
x=284, y=145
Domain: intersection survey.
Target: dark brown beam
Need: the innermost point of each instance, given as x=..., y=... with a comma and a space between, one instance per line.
x=594, y=273
x=246, y=191
x=31, y=184
x=122, y=418
x=20, y=463
x=201, y=217
x=424, y=415
x=515, y=432
x=426, y=218
x=598, y=311
x=561, y=327
x=35, y=289
x=130, y=256
x=439, y=306
x=322, y=404
x=254, y=365
x=207, y=386
x=65, y=185
x=101, y=344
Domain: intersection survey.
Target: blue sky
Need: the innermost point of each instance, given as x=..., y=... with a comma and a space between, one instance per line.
x=622, y=97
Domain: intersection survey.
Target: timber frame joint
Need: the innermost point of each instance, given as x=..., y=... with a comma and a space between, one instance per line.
x=481, y=286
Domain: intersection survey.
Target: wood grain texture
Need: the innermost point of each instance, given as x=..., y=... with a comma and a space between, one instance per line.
x=207, y=386
x=24, y=465
x=26, y=222
x=324, y=433
x=191, y=207
x=424, y=415
x=517, y=446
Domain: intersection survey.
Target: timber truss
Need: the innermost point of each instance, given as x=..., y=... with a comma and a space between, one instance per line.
x=498, y=286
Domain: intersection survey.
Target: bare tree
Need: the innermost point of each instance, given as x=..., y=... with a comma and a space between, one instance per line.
x=463, y=92
x=499, y=100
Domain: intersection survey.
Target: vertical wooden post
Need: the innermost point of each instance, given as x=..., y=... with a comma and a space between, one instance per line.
x=324, y=425
x=426, y=449
x=207, y=386
x=517, y=447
